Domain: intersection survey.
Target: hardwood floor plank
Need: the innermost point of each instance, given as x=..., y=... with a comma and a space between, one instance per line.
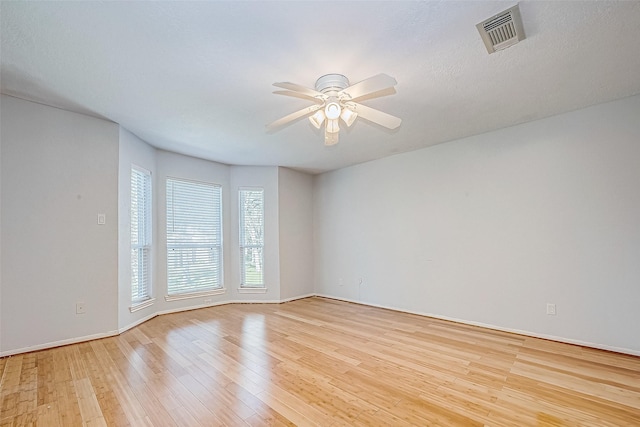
x=264, y=414
x=321, y=362
x=66, y=403
x=591, y=388
x=12, y=372
x=293, y=407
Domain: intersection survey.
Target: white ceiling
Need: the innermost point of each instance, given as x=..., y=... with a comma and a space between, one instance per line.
x=196, y=77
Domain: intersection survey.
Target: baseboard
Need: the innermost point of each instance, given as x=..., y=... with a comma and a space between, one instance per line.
x=494, y=327
x=297, y=298
x=435, y=316
x=212, y=304
x=141, y=321
x=136, y=323
x=60, y=343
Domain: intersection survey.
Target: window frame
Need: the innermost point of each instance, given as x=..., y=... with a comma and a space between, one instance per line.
x=242, y=244
x=141, y=250
x=193, y=249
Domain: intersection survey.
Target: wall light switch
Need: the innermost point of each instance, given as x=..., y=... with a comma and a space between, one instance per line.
x=81, y=308
x=551, y=309
x=102, y=219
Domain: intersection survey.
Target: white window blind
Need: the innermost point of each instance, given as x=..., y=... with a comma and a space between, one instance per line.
x=251, y=237
x=194, y=236
x=140, y=235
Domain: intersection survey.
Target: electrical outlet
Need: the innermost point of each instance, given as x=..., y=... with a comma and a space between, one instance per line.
x=551, y=309
x=81, y=308
x=340, y=282
x=208, y=300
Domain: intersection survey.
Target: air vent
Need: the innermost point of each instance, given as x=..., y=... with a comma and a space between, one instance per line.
x=502, y=30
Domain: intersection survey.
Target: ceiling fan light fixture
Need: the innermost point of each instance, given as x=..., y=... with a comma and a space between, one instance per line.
x=348, y=116
x=331, y=138
x=332, y=110
x=333, y=126
x=317, y=119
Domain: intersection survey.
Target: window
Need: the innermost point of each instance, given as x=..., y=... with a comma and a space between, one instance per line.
x=140, y=235
x=251, y=237
x=194, y=237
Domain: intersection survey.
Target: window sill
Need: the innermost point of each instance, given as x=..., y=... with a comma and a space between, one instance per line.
x=252, y=290
x=140, y=305
x=178, y=297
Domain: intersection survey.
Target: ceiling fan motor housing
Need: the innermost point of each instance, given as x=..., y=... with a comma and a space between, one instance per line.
x=332, y=83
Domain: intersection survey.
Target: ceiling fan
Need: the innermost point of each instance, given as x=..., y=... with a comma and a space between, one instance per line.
x=336, y=100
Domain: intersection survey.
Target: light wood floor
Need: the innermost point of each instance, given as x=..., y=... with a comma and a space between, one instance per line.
x=317, y=362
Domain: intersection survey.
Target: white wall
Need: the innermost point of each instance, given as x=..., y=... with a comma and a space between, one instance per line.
x=486, y=230
x=164, y=164
x=1, y=101
x=179, y=166
x=59, y=170
x=295, y=191
x=264, y=177
x=489, y=229
x=133, y=152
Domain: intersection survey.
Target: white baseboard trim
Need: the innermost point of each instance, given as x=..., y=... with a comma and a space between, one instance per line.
x=435, y=316
x=139, y=322
x=60, y=343
x=212, y=304
x=136, y=323
x=298, y=297
x=254, y=301
x=494, y=327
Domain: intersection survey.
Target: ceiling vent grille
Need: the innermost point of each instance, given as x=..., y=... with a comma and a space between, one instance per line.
x=502, y=30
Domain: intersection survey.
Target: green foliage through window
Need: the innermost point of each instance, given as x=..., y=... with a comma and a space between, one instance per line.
x=252, y=237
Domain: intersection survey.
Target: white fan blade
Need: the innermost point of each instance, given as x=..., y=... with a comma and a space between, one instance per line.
x=370, y=85
x=293, y=116
x=377, y=116
x=297, y=88
x=298, y=95
x=378, y=94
